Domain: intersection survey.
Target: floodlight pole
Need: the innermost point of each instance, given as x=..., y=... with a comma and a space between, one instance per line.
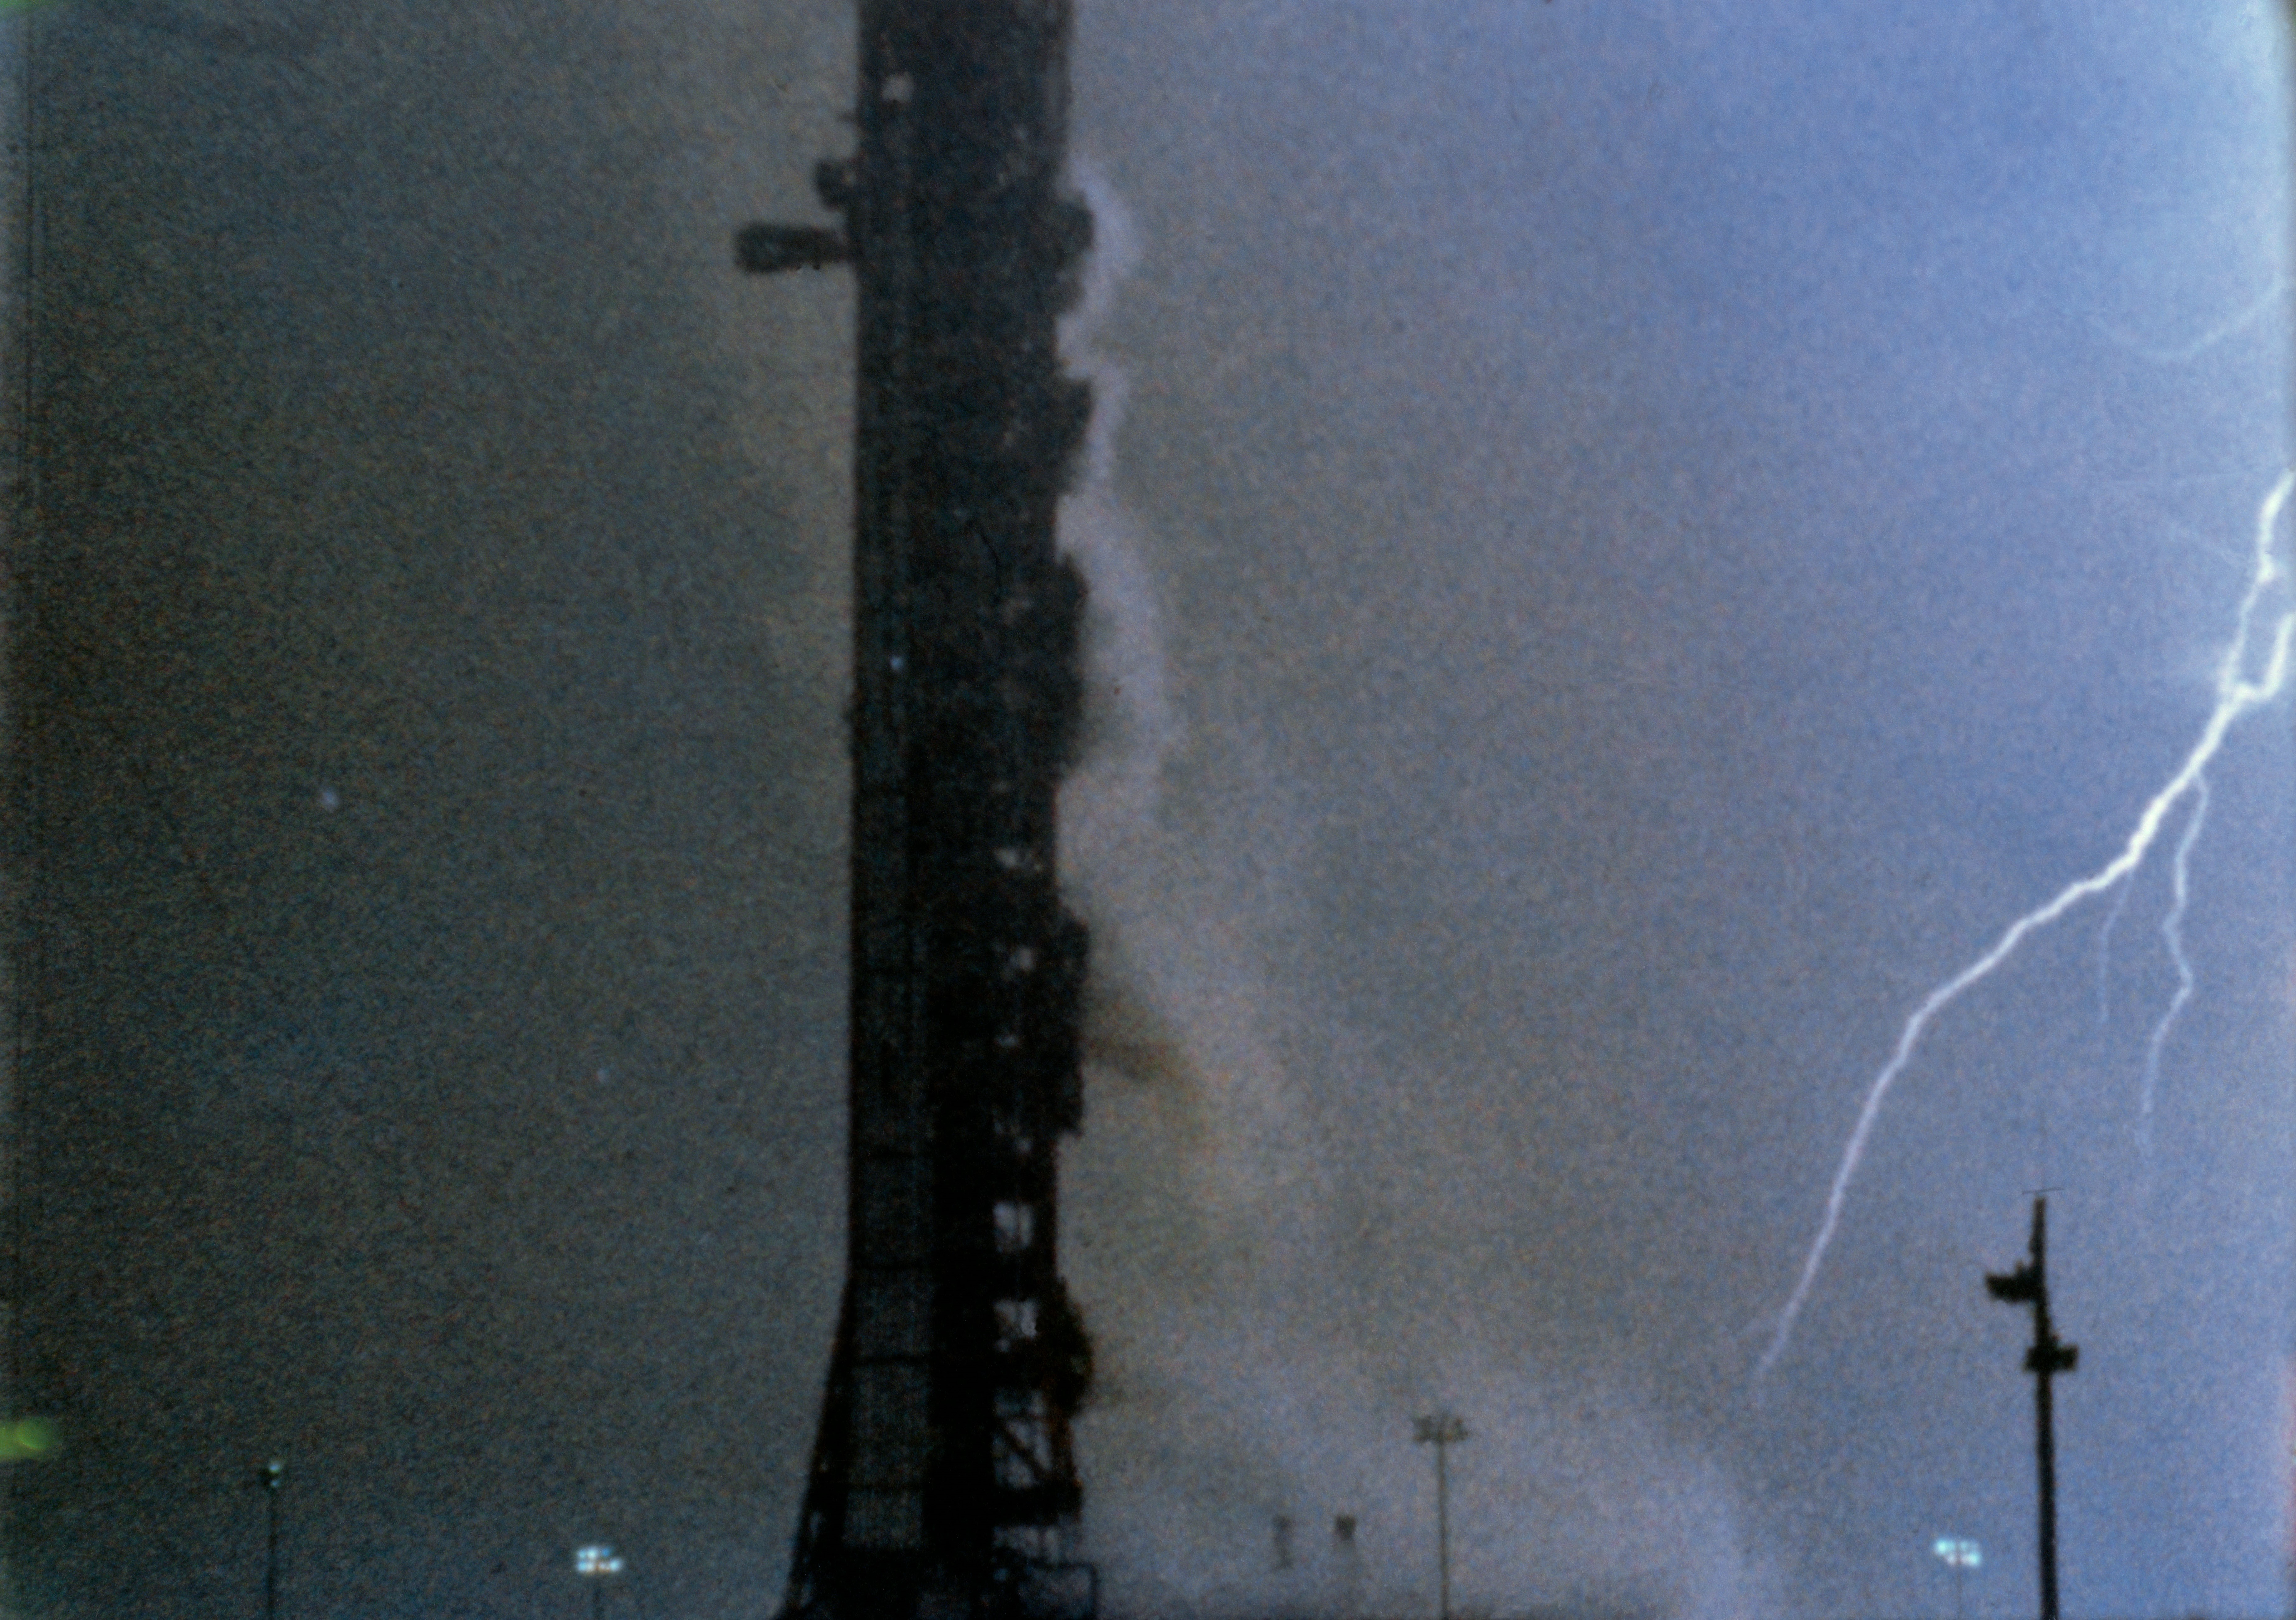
x=1960, y=1555
x=595, y=1564
x=268, y=1479
x=2029, y=1284
x=1441, y=1430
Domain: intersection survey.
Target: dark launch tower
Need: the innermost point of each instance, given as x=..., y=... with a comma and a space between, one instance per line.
x=942, y=1480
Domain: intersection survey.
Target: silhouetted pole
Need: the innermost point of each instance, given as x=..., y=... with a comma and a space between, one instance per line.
x=270, y=1476
x=1441, y=1431
x=2029, y=1284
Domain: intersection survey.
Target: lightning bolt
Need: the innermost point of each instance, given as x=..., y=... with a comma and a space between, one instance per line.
x=2104, y=957
x=2236, y=694
x=2172, y=934
x=2207, y=340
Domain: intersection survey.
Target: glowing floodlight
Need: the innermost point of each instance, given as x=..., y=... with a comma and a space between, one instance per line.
x=1958, y=1554
x=596, y=1561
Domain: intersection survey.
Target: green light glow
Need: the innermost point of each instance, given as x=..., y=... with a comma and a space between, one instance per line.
x=27, y=1437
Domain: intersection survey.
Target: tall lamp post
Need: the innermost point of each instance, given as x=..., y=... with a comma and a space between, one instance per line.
x=1961, y=1556
x=597, y=1563
x=2049, y=1356
x=1442, y=1430
x=267, y=1479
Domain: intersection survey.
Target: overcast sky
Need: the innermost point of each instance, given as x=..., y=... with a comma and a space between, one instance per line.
x=1634, y=539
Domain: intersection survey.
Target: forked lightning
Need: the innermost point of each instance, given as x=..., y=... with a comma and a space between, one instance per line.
x=2236, y=693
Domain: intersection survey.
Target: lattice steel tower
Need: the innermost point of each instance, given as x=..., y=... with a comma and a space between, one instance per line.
x=942, y=1480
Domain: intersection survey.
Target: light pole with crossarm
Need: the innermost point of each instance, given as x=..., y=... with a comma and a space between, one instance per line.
x=597, y=1563
x=1442, y=1430
x=1960, y=1555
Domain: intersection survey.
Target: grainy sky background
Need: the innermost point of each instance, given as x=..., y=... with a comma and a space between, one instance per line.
x=1640, y=536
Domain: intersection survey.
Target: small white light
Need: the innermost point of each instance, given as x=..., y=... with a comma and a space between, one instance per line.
x=596, y=1561
x=1016, y=1227
x=1016, y=1321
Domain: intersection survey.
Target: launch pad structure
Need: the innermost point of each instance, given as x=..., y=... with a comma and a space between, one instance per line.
x=943, y=1482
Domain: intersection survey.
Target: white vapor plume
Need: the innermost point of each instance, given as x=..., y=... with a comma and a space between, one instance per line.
x=1251, y=1366
x=1130, y=707
x=2236, y=695
x=2172, y=934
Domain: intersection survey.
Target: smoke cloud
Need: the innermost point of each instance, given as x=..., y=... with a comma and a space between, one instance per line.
x=1250, y=1370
